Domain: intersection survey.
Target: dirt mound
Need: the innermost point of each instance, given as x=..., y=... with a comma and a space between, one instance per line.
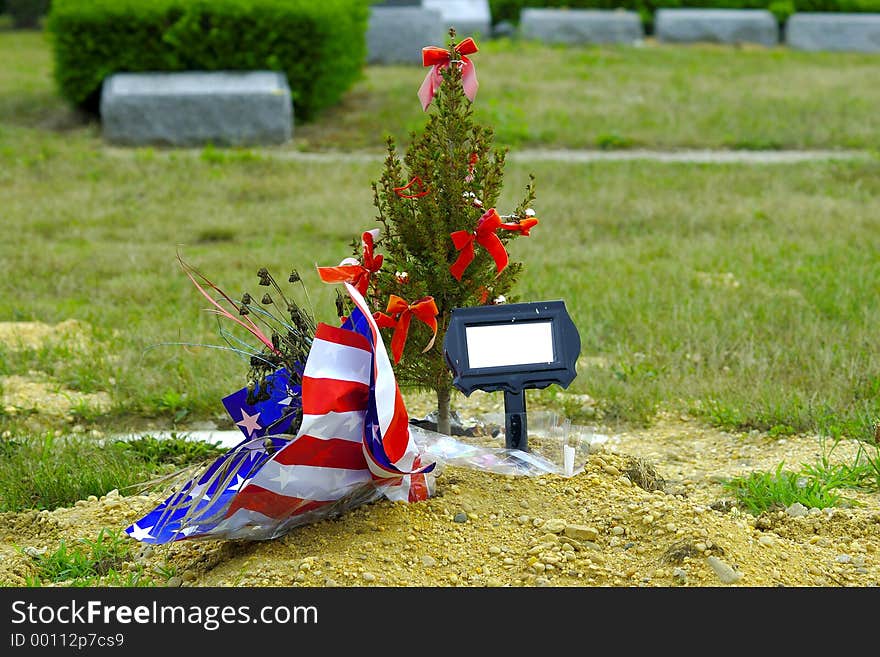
x=37, y=396
x=598, y=528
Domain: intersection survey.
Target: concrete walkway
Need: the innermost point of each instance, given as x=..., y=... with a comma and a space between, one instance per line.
x=559, y=155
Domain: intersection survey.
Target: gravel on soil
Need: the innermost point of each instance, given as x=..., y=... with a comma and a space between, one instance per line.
x=648, y=509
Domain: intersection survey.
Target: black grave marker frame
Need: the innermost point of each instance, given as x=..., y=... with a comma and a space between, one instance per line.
x=512, y=367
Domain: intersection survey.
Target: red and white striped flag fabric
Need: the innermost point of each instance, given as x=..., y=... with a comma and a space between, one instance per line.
x=353, y=446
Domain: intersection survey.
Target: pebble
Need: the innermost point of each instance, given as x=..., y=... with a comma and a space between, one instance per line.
x=843, y=558
x=33, y=552
x=369, y=577
x=617, y=530
x=679, y=574
x=461, y=516
x=542, y=581
x=524, y=504
x=555, y=525
x=494, y=550
x=522, y=520
x=610, y=469
x=725, y=572
x=797, y=510
x=581, y=532
x=174, y=582
x=767, y=541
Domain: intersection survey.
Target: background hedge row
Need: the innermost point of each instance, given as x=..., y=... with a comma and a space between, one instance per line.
x=510, y=9
x=320, y=45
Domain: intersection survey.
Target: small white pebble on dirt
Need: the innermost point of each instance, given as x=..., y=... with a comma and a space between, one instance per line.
x=723, y=570
x=554, y=525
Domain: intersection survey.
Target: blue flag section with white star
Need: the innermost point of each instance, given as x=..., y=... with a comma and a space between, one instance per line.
x=271, y=416
x=201, y=503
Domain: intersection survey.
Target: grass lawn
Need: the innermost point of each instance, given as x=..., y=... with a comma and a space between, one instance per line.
x=656, y=96
x=745, y=294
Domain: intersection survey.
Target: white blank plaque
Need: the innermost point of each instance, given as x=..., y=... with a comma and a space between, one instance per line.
x=509, y=344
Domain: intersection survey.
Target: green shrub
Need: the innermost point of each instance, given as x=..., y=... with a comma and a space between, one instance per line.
x=26, y=14
x=510, y=9
x=320, y=46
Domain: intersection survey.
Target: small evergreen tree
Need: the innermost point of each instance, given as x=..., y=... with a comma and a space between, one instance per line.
x=436, y=207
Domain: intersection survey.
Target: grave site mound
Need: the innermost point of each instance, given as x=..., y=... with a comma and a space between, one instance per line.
x=648, y=509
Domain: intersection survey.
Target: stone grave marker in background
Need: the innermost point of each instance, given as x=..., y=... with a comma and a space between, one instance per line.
x=716, y=26
x=468, y=17
x=575, y=26
x=840, y=32
x=399, y=29
x=192, y=108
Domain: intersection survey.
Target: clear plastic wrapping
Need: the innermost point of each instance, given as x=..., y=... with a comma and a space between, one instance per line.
x=556, y=446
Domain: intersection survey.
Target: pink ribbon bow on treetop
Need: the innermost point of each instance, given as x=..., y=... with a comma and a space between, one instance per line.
x=485, y=236
x=352, y=271
x=438, y=59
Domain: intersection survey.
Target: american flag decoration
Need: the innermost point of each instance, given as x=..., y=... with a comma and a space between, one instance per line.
x=271, y=416
x=353, y=446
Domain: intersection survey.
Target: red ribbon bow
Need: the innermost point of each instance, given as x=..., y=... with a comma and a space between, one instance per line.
x=400, y=314
x=419, y=185
x=523, y=226
x=351, y=271
x=485, y=236
x=438, y=59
